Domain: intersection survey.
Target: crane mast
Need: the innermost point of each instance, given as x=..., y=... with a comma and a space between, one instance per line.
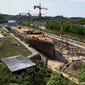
x=39, y=7
x=25, y=14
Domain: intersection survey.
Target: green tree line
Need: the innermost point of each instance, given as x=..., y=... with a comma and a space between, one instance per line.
x=68, y=27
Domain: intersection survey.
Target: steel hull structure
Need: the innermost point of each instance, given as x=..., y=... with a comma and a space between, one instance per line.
x=45, y=47
x=22, y=36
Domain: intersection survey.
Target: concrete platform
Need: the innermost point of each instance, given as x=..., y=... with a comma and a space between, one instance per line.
x=1, y=36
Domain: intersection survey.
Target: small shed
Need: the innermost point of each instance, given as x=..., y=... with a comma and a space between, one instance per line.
x=16, y=63
x=12, y=23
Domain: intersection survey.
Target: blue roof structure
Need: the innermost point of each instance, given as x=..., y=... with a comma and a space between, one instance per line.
x=11, y=23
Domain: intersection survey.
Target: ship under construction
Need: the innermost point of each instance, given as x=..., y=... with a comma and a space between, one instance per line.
x=36, y=39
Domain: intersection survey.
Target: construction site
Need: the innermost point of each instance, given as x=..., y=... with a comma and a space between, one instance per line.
x=62, y=54
x=66, y=55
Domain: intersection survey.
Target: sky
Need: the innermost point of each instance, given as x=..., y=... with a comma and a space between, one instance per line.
x=67, y=8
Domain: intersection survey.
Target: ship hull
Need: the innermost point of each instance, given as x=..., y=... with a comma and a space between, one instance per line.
x=22, y=36
x=45, y=47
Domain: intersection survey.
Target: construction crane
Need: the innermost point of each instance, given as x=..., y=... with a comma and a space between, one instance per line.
x=25, y=14
x=39, y=7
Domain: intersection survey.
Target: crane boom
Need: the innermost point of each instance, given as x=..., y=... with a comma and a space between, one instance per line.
x=45, y=8
x=39, y=7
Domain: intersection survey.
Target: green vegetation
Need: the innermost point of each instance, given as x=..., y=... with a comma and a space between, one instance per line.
x=75, y=31
x=73, y=28
x=81, y=74
x=37, y=75
x=9, y=46
x=4, y=18
x=57, y=79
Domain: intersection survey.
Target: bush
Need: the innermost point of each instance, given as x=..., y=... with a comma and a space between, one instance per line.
x=73, y=28
x=81, y=74
x=58, y=79
x=37, y=75
x=53, y=25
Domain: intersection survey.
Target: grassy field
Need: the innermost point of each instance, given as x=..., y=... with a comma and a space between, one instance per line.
x=9, y=46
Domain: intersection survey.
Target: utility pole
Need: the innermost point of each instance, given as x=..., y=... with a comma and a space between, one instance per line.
x=20, y=15
x=61, y=28
x=29, y=16
x=39, y=7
